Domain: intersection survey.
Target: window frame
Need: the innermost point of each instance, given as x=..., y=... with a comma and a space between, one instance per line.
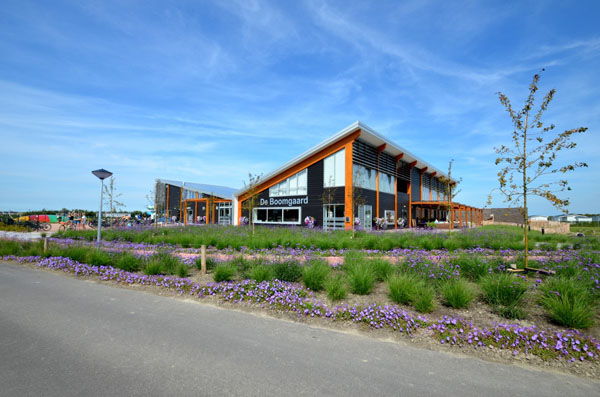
x=283, y=209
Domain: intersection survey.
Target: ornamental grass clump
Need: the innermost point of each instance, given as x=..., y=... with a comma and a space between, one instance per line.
x=336, y=287
x=287, y=271
x=315, y=274
x=224, y=273
x=423, y=298
x=361, y=277
x=569, y=301
x=152, y=268
x=382, y=268
x=261, y=272
x=471, y=266
x=457, y=294
x=505, y=293
x=211, y=263
x=182, y=270
x=99, y=258
x=570, y=311
x=401, y=287
x=503, y=289
x=127, y=262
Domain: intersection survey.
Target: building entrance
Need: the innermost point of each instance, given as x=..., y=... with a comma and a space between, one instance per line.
x=333, y=216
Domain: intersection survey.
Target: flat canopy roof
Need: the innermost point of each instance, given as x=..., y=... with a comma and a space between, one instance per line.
x=214, y=190
x=367, y=135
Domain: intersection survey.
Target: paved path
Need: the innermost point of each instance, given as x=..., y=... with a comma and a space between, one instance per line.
x=63, y=336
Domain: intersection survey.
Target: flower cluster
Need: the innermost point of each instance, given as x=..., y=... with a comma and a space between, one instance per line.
x=381, y=223
x=309, y=221
x=570, y=345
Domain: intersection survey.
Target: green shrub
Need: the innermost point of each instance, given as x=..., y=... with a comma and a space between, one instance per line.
x=424, y=298
x=574, y=311
x=127, y=262
x=382, y=268
x=401, y=288
x=457, y=294
x=260, y=273
x=182, y=270
x=336, y=287
x=224, y=273
x=361, y=277
x=314, y=275
x=503, y=289
x=287, y=271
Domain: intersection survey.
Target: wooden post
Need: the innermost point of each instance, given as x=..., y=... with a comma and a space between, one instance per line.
x=45, y=244
x=203, y=259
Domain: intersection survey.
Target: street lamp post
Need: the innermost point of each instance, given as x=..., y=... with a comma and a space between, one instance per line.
x=102, y=174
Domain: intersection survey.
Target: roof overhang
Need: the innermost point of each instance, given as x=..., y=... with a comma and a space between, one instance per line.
x=367, y=135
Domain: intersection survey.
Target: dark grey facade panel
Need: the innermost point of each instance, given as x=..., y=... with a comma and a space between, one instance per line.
x=174, y=201
x=415, y=178
x=386, y=202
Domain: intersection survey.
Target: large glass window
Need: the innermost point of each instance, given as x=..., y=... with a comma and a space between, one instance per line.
x=386, y=183
x=364, y=177
x=334, y=169
x=284, y=216
x=295, y=185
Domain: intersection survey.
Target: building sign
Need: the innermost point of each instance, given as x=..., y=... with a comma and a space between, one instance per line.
x=284, y=201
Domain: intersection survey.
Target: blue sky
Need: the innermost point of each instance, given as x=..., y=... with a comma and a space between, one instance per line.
x=208, y=91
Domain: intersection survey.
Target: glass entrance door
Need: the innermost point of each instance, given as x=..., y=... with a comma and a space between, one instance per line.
x=333, y=216
x=224, y=213
x=365, y=214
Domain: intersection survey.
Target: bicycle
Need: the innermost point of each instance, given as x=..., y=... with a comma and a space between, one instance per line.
x=68, y=225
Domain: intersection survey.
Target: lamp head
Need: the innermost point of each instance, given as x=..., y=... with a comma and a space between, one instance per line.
x=102, y=173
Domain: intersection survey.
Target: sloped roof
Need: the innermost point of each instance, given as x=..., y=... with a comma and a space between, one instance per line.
x=368, y=135
x=215, y=190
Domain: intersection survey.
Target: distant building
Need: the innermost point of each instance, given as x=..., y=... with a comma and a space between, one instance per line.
x=193, y=202
x=538, y=218
x=572, y=218
x=503, y=215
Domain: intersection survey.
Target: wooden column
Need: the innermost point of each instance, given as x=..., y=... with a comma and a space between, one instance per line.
x=348, y=202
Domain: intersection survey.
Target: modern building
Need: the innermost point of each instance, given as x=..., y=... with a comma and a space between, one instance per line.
x=538, y=218
x=355, y=176
x=572, y=218
x=187, y=202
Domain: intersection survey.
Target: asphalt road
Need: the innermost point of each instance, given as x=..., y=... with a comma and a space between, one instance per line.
x=61, y=336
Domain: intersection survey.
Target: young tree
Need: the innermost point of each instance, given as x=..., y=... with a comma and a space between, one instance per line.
x=450, y=193
x=328, y=198
x=251, y=197
x=529, y=164
x=112, y=198
x=356, y=197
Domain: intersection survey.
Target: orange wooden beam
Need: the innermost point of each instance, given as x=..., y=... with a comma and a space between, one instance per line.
x=399, y=157
x=348, y=202
x=331, y=149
